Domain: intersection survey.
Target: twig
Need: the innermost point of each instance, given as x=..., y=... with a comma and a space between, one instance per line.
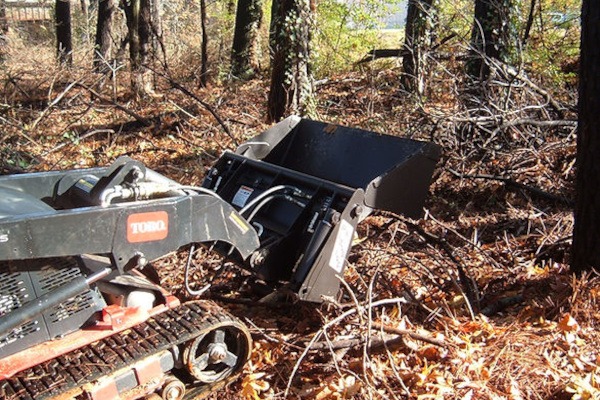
x=470, y=293
x=182, y=89
x=533, y=122
x=270, y=338
x=54, y=102
x=350, y=343
x=412, y=335
x=329, y=324
x=139, y=118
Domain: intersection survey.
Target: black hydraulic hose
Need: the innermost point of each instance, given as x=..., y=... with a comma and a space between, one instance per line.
x=295, y=191
x=30, y=310
x=271, y=198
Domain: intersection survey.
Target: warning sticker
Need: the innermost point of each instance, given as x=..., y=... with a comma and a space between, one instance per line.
x=341, y=247
x=242, y=195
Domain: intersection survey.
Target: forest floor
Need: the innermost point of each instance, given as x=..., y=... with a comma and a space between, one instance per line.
x=473, y=301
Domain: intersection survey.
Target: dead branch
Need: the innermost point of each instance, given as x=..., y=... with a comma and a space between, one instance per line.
x=539, y=124
x=11, y=169
x=80, y=138
x=331, y=323
x=139, y=118
x=389, y=53
x=375, y=343
x=383, y=53
x=185, y=91
x=502, y=304
x=54, y=102
x=512, y=183
x=470, y=290
x=412, y=335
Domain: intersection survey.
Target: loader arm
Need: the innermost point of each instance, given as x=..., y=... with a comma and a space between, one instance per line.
x=128, y=231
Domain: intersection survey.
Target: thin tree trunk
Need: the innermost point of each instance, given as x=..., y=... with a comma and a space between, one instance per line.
x=3, y=31
x=529, y=24
x=418, y=38
x=64, y=45
x=586, y=233
x=132, y=13
x=106, y=12
x=204, y=50
x=157, y=29
x=145, y=35
x=291, y=81
x=244, y=58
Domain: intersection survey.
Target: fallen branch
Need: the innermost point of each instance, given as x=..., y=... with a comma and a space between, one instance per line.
x=183, y=90
x=512, y=183
x=80, y=138
x=470, y=292
x=388, y=53
x=502, y=304
x=139, y=118
x=350, y=343
x=383, y=53
x=412, y=335
x=329, y=324
x=54, y=102
x=539, y=124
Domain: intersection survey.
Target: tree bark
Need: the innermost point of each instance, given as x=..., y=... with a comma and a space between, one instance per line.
x=157, y=29
x=492, y=37
x=291, y=81
x=244, y=52
x=64, y=44
x=3, y=31
x=418, y=39
x=139, y=23
x=586, y=233
x=106, y=12
x=132, y=14
x=145, y=34
x=204, y=49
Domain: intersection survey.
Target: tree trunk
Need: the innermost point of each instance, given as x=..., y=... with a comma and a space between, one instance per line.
x=291, y=80
x=204, y=49
x=244, y=57
x=3, y=31
x=145, y=35
x=106, y=12
x=586, y=233
x=418, y=38
x=529, y=23
x=64, y=45
x=492, y=37
x=157, y=29
x=139, y=23
x=132, y=14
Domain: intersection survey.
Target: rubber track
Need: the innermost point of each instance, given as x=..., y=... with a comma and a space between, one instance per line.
x=93, y=361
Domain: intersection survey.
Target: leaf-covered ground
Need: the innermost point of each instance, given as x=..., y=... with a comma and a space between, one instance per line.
x=474, y=301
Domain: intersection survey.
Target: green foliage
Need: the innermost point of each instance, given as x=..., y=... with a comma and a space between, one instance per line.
x=553, y=48
x=345, y=32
